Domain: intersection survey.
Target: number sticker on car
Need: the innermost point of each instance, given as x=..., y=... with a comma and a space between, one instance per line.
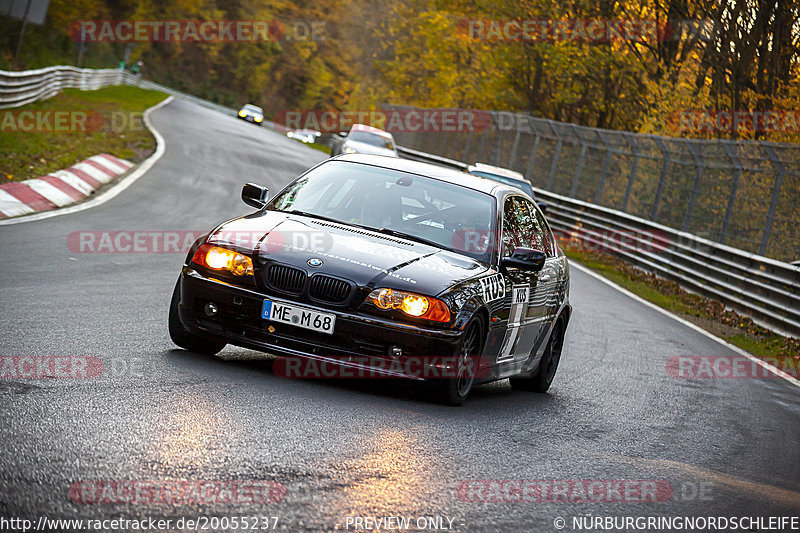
x=298, y=316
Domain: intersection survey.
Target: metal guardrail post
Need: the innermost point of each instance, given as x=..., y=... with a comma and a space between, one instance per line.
x=598, y=195
x=661, y=180
x=632, y=174
x=698, y=174
x=512, y=158
x=494, y=156
x=467, y=144
x=443, y=143
x=556, y=157
x=532, y=158
x=731, y=150
x=773, y=203
x=573, y=190
x=483, y=139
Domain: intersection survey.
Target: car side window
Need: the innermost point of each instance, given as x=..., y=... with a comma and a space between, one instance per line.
x=548, y=240
x=524, y=226
x=511, y=227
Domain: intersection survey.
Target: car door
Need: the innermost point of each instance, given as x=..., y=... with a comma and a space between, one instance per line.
x=521, y=331
x=545, y=301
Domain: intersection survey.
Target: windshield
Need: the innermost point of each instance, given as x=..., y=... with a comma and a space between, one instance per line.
x=447, y=215
x=524, y=185
x=252, y=109
x=371, y=138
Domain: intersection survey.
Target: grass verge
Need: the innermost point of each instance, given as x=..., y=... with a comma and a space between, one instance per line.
x=710, y=315
x=112, y=123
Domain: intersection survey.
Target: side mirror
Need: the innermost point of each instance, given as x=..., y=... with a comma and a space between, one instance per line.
x=255, y=195
x=526, y=259
x=542, y=206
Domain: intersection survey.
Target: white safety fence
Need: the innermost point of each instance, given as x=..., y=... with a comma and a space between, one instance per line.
x=24, y=87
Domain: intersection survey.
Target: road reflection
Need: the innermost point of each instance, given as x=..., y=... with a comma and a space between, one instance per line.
x=395, y=476
x=192, y=431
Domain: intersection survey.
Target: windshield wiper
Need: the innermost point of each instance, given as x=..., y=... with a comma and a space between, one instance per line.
x=403, y=235
x=314, y=215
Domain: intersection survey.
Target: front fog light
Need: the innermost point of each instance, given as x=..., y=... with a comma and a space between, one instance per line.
x=210, y=309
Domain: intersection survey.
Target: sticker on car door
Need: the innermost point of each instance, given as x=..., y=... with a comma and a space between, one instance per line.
x=520, y=295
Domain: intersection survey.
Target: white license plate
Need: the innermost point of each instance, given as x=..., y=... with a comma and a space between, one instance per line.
x=298, y=316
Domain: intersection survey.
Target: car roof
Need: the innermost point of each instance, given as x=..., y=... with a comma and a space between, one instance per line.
x=500, y=171
x=455, y=177
x=370, y=129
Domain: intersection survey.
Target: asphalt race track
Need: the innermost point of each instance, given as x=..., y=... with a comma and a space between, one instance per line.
x=726, y=447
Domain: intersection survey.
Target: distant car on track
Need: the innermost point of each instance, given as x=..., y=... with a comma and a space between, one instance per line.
x=251, y=113
x=399, y=262
x=507, y=176
x=306, y=136
x=364, y=139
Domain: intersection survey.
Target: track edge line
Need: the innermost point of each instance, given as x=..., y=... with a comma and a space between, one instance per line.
x=771, y=368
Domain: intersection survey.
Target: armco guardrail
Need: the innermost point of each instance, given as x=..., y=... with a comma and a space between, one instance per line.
x=765, y=289
x=24, y=87
x=21, y=88
x=741, y=193
x=762, y=288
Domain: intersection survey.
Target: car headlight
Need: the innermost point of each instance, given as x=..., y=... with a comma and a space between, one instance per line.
x=217, y=258
x=242, y=114
x=349, y=150
x=259, y=119
x=411, y=304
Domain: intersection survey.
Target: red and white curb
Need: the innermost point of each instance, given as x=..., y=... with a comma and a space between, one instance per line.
x=60, y=188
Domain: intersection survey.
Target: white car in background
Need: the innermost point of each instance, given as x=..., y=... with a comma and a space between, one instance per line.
x=251, y=113
x=306, y=136
x=364, y=139
x=508, y=177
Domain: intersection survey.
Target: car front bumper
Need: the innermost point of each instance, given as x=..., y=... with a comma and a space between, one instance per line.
x=250, y=119
x=358, y=340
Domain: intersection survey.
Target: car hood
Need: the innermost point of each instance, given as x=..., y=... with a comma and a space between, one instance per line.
x=368, y=258
x=366, y=148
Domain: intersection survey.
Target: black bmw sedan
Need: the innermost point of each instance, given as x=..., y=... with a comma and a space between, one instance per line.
x=384, y=267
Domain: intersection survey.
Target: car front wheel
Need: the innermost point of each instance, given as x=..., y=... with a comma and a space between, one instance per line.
x=541, y=381
x=454, y=390
x=185, y=339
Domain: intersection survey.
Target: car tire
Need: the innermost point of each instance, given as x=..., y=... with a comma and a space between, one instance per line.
x=185, y=339
x=455, y=391
x=543, y=378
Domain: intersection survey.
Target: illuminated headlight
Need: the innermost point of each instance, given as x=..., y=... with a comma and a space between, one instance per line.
x=411, y=304
x=259, y=119
x=242, y=114
x=217, y=258
x=349, y=150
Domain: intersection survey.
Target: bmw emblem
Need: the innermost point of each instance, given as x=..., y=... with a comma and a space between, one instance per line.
x=314, y=262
